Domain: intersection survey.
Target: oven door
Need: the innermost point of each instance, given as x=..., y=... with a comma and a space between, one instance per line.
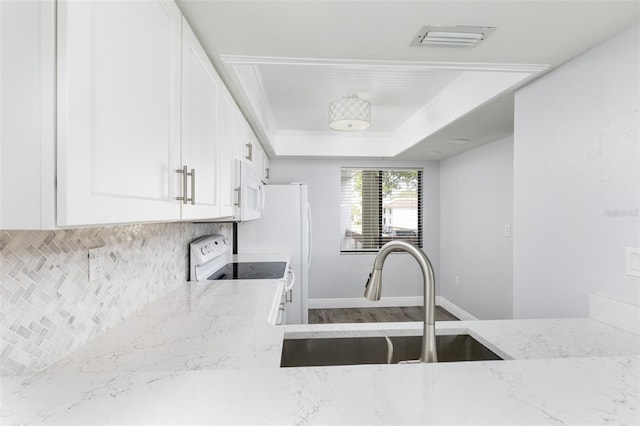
x=251, y=193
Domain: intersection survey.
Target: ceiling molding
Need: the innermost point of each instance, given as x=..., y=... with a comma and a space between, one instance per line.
x=367, y=64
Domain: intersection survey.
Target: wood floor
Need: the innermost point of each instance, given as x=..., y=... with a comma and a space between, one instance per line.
x=392, y=314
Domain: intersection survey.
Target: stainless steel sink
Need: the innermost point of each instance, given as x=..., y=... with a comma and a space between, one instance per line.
x=373, y=350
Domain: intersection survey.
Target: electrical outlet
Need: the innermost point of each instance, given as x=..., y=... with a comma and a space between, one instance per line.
x=507, y=231
x=96, y=263
x=457, y=280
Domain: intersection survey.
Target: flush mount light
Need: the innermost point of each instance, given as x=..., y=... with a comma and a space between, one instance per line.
x=430, y=35
x=350, y=113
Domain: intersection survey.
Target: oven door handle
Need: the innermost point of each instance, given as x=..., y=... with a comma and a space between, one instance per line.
x=289, y=287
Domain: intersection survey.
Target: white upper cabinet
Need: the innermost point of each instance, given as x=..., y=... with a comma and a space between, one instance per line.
x=103, y=102
x=201, y=141
x=244, y=146
x=239, y=144
x=249, y=149
x=267, y=169
x=119, y=81
x=263, y=165
x=27, y=115
x=261, y=162
x=229, y=153
x=254, y=148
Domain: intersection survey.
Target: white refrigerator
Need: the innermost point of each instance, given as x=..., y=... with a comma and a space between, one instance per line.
x=284, y=227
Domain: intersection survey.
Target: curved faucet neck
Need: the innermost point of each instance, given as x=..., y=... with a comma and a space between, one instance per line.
x=397, y=246
x=428, y=278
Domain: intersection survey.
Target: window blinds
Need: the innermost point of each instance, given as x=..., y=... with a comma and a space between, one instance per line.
x=379, y=205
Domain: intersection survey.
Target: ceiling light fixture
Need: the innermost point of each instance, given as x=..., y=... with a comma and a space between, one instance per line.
x=350, y=113
x=451, y=35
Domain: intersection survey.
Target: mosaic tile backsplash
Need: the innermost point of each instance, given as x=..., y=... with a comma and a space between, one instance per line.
x=48, y=305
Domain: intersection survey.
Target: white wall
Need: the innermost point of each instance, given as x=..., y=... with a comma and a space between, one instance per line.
x=577, y=182
x=333, y=275
x=476, y=202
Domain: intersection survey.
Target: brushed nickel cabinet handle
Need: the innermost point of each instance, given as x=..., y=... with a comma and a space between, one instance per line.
x=183, y=172
x=193, y=186
x=186, y=174
x=238, y=202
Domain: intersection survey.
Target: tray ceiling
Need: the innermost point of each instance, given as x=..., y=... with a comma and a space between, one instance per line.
x=284, y=61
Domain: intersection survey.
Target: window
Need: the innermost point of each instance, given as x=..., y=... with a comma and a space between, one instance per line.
x=379, y=205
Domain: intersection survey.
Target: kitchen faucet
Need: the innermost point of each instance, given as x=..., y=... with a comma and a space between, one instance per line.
x=374, y=286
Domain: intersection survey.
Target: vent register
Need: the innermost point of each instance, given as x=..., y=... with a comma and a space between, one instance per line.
x=462, y=36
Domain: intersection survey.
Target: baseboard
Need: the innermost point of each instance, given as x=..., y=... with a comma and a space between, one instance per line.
x=386, y=302
x=361, y=302
x=455, y=309
x=614, y=312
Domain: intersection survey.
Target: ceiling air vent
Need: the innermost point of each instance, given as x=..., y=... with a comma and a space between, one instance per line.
x=439, y=35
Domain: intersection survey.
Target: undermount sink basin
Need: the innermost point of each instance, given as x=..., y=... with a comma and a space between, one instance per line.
x=373, y=350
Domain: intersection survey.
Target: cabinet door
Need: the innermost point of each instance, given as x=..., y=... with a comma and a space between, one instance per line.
x=265, y=168
x=261, y=162
x=27, y=115
x=227, y=177
x=244, y=143
x=255, y=150
x=256, y=161
x=200, y=140
x=118, y=111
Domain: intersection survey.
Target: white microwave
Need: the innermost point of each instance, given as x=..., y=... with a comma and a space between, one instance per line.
x=250, y=192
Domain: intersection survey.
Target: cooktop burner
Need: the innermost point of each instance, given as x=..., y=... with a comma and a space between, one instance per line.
x=250, y=271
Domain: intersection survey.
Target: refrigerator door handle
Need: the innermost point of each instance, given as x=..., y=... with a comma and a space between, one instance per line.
x=309, y=235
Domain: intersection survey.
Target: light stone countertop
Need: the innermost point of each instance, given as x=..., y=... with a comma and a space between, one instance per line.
x=201, y=325
x=207, y=355
x=207, y=325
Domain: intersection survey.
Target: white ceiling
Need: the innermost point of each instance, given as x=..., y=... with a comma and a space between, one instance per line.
x=285, y=60
x=299, y=93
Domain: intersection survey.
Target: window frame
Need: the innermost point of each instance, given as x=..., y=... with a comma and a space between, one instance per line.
x=380, y=237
